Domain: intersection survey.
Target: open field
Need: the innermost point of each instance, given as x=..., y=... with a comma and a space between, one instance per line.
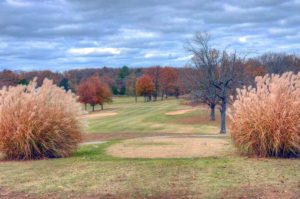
x=130, y=117
x=93, y=172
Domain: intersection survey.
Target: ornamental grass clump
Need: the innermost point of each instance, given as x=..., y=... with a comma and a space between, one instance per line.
x=265, y=120
x=38, y=122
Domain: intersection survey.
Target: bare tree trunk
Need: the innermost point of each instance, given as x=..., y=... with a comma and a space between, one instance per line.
x=135, y=98
x=223, y=111
x=212, y=112
x=85, y=106
x=93, y=108
x=162, y=95
x=101, y=106
x=145, y=98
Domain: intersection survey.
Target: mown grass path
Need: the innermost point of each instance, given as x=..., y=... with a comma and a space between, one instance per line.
x=148, y=117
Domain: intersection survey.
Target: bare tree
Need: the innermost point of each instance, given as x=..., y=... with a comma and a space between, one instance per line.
x=279, y=62
x=228, y=71
x=205, y=61
x=218, y=71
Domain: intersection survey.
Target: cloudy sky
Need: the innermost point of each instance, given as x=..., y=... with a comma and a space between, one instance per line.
x=64, y=34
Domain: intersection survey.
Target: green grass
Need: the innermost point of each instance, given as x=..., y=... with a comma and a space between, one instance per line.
x=91, y=172
x=146, y=117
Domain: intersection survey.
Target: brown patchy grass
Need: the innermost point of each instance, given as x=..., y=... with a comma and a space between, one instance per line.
x=170, y=147
x=179, y=112
x=265, y=192
x=88, y=137
x=201, y=119
x=98, y=114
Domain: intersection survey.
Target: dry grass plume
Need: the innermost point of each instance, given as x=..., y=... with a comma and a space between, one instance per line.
x=38, y=122
x=265, y=120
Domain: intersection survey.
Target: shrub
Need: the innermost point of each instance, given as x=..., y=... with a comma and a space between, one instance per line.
x=266, y=119
x=38, y=122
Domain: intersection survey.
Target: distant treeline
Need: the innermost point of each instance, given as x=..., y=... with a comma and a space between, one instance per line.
x=121, y=81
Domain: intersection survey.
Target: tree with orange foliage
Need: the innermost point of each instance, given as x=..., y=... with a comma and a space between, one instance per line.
x=154, y=73
x=145, y=87
x=93, y=91
x=168, y=81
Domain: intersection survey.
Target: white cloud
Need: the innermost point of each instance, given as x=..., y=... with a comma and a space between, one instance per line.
x=156, y=54
x=278, y=31
x=231, y=8
x=95, y=51
x=137, y=34
x=243, y=39
x=3, y=45
x=184, y=58
x=18, y=3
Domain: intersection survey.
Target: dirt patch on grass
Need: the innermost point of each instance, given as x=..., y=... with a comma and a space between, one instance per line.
x=179, y=112
x=101, y=114
x=201, y=119
x=170, y=147
x=7, y=194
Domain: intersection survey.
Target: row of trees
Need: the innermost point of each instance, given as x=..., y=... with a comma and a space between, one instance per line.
x=121, y=81
x=156, y=80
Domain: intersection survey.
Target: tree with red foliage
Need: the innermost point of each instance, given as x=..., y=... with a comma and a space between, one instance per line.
x=252, y=68
x=145, y=87
x=93, y=91
x=154, y=73
x=8, y=78
x=169, y=81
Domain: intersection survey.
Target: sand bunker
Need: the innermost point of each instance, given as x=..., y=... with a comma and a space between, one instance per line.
x=179, y=112
x=170, y=147
x=95, y=115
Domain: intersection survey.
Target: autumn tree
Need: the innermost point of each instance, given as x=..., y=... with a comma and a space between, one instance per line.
x=168, y=81
x=93, y=91
x=251, y=69
x=8, y=78
x=41, y=75
x=154, y=72
x=145, y=87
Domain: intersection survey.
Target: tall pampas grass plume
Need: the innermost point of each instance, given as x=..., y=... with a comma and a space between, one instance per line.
x=38, y=122
x=265, y=120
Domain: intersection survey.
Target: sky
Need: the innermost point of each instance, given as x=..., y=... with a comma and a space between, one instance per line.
x=60, y=35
